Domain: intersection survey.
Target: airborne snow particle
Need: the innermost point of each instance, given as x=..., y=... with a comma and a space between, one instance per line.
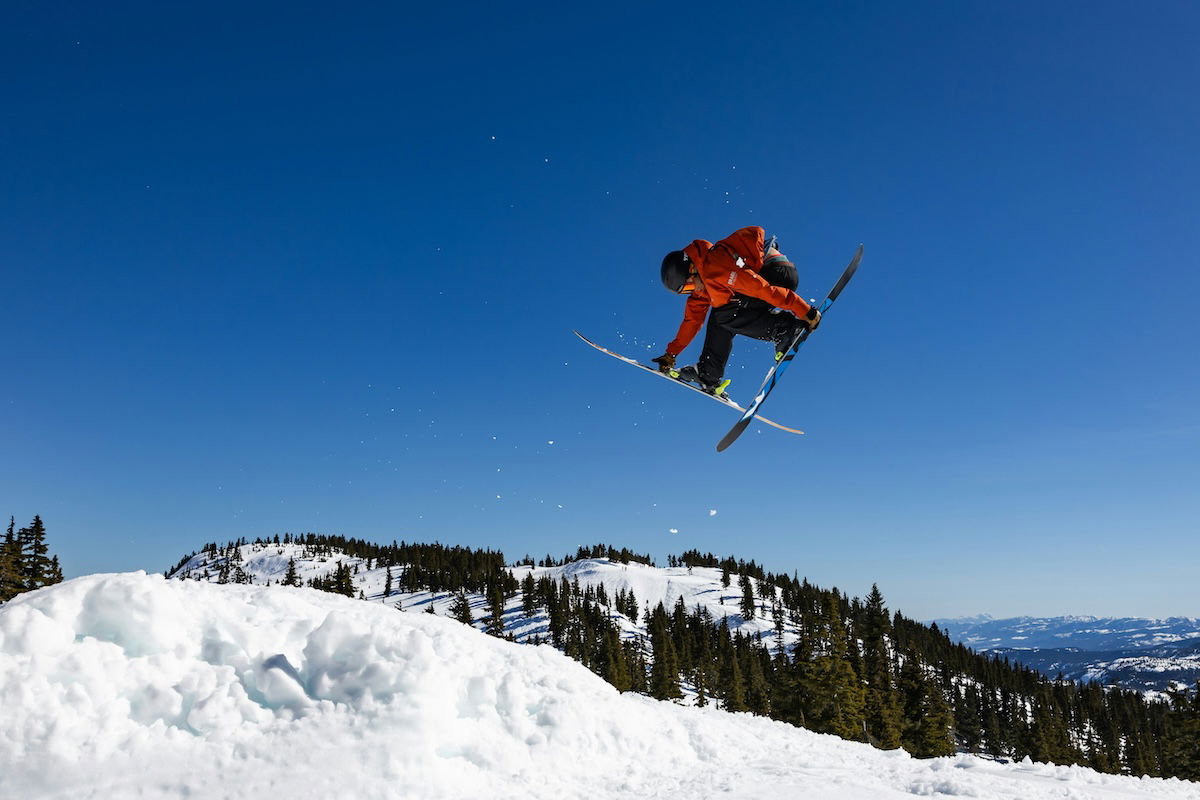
x=550, y=442
x=673, y=530
x=712, y=512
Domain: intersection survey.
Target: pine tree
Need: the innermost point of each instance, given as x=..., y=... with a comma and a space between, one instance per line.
x=11, y=582
x=343, y=580
x=758, y=696
x=1182, y=748
x=835, y=694
x=993, y=734
x=734, y=696
x=291, y=578
x=494, y=620
x=35, y=563
x=528, y=595
x=460, y=609
x=616, y=661
x=934, y=737
x=968, y=724
x=881, y=704
x=387, y=582
x=927, y=717
x=54, y=573
x=664, y=672
x=747, y=604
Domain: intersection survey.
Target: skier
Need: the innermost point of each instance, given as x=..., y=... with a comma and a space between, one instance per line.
x=751, y=289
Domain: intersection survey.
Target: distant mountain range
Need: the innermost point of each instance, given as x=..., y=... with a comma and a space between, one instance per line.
x=1134, y=652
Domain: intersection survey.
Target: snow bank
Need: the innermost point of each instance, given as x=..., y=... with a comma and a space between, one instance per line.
x=115, y=686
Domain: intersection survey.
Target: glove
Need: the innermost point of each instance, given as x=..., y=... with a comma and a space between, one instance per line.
x=812, y=319
x=666, y=362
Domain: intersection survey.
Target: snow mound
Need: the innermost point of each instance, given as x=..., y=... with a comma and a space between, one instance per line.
x=129, y=685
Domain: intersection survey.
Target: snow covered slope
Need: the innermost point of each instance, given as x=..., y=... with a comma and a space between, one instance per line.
x=116, y=686
x=1135, y=653
x=268, y=563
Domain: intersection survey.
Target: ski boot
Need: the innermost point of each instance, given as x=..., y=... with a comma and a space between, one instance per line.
x=690, y=374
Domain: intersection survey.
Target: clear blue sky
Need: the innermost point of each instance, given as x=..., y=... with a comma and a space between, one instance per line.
x=288, y=268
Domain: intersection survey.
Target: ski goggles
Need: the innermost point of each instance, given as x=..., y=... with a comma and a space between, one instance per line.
x=689, y=285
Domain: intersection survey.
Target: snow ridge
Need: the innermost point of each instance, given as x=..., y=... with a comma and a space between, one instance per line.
x=129, y=685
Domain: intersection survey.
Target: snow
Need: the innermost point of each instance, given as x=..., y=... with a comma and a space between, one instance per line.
x=1136, y=652
x=130, y=685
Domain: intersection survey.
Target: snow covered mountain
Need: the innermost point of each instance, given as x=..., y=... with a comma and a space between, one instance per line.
x=1081, y=633
x=1137, y=653
x=697, y=586
x=128, y=685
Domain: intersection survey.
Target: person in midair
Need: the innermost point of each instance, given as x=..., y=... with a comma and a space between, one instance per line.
x=744, y=285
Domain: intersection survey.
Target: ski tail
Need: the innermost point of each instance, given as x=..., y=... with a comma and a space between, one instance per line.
x=780, y=366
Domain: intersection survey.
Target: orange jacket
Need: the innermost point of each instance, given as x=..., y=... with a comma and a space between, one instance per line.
x=729, y=267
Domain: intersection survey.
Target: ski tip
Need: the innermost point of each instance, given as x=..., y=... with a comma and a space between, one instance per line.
x=733, y=434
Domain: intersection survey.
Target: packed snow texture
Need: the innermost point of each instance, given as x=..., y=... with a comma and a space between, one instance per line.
x=129, y=685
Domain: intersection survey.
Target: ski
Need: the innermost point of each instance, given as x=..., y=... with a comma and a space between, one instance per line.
x=654, y=370
x=778, y=367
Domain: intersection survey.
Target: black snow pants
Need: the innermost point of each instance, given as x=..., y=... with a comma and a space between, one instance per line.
x=751, y=317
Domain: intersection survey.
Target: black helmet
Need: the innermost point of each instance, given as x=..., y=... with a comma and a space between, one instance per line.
x=677, y=272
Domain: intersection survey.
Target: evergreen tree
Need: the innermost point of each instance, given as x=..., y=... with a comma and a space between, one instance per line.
x=460, y=609
x=836, y=697
x=344, y=580
x=993, y=734
x=732, y=690
x=881, y=703
x=11, y=581
x=291, y=578
x=664, y=672
x=747, y=604
x=935, y=730
x=529, y=603
x=494, y=620
x=968, y=725
x=927, y=717
x=616, y=661
x=758, y=696
x=54, y=573
x=1182, y=748
x=35, y=563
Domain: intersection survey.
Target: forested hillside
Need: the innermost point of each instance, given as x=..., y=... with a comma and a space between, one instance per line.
x=707, y=629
